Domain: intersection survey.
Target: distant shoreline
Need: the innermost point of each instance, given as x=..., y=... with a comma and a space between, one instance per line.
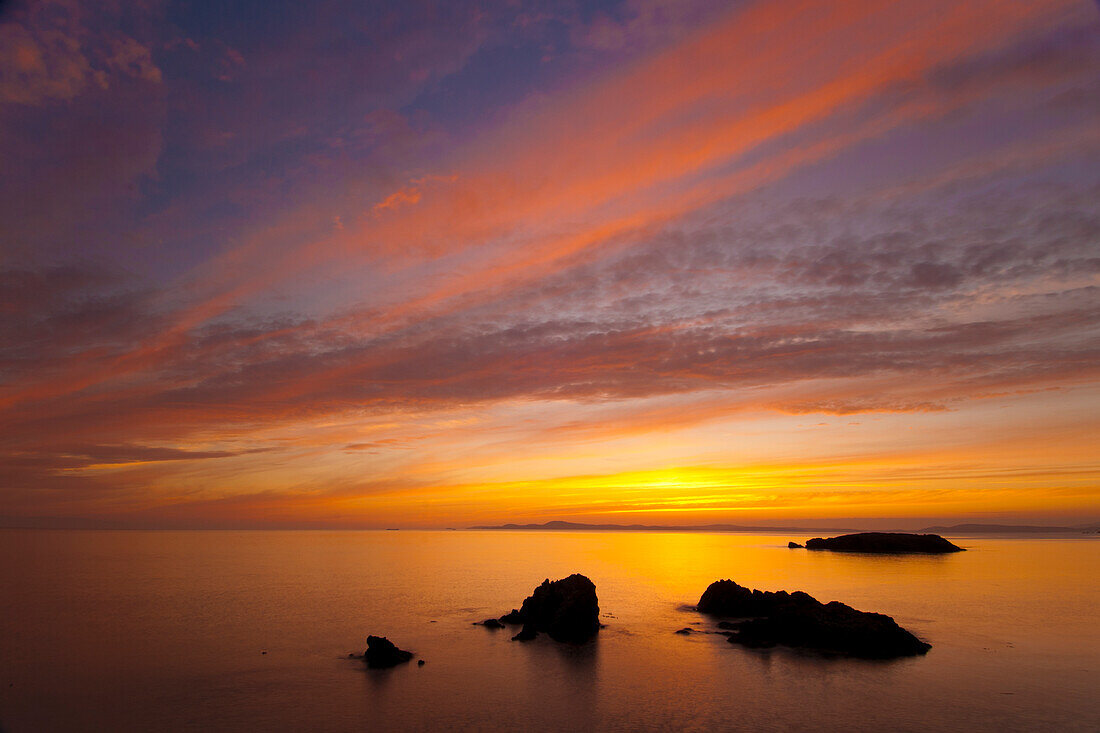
x=954, y=529
x=1084, y=530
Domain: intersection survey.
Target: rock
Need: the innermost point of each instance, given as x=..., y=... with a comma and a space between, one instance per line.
x=420, y=663
x=726, y=598
x=512, y=617
x=490, y=623
x=793, y=545
x=685, y=631
x=835, y=627
x=382, y=653
x=527, y=633
x=800, y=620
x=884, y=542
x=566, y=609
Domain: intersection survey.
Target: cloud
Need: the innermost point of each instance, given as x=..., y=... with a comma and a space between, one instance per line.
x=641, y=24
x=729, y=222
x=56, y=50
x=81, y=109
x=404, y=197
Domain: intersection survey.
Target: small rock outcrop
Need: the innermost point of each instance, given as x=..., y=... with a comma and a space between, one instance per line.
x=512, y=617
x=566, y=609
x=382, y=653
x=885, y=542
x=490, y=623
x=527, y=633
x=793, y=545
x=800, y=620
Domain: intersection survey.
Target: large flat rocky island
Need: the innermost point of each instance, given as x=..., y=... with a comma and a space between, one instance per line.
x=885, y=543
x=767, y=619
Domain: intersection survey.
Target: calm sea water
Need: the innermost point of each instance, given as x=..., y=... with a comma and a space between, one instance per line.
x=166, y=631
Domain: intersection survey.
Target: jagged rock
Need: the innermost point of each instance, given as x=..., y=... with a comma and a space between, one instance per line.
x=885, y=542
x=382, y=653
x=800, y=620
x=527, y=633
x=566, y=609
x=726, y=598
x=835, y=627
x=793, y=545
x=512, y=617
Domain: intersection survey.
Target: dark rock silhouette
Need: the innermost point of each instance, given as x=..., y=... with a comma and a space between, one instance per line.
x=512, y=617
x=490, y=623
x=566, y=609
x=382, y=653
x=884, y=542
x=420, y=663
x=527, y=633
x=685, y=631
x=800, y=620
x=793, y=545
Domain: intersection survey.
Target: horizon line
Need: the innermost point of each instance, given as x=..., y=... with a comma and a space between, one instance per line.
x=1088, y=527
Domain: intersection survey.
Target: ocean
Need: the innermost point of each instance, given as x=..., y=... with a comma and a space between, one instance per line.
x=226, y=630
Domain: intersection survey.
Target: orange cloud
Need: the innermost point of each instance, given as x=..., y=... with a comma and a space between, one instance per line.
x=485, y=287
x=404, y=197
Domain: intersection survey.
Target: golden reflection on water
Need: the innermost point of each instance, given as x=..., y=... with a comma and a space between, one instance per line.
x=144, y=630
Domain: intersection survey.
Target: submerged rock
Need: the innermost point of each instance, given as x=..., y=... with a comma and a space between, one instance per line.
x=566, y=609
x=793, y=545
x=800, y=620
x=885, y=542
x=382, y=653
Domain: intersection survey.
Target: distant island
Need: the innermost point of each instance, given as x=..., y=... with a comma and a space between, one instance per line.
x=954, y=529
x=884, y=543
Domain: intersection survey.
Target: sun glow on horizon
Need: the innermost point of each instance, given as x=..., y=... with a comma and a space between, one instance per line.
x=752, y=262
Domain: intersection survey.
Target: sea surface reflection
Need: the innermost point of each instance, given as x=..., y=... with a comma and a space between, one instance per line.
x=229, y=630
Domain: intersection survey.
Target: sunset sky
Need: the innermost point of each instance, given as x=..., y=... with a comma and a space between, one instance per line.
x=427, y=264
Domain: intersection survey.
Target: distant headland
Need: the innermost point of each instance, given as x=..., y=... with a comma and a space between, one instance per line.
x=559, y=525
x=1011, y=528
x=953, y=529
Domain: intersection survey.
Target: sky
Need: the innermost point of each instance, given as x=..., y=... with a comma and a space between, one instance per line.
x=426, y=264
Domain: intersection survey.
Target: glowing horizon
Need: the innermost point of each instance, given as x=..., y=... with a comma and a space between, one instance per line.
x=667, y=263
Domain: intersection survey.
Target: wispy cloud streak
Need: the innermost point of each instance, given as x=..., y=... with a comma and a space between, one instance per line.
x=854, y=209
